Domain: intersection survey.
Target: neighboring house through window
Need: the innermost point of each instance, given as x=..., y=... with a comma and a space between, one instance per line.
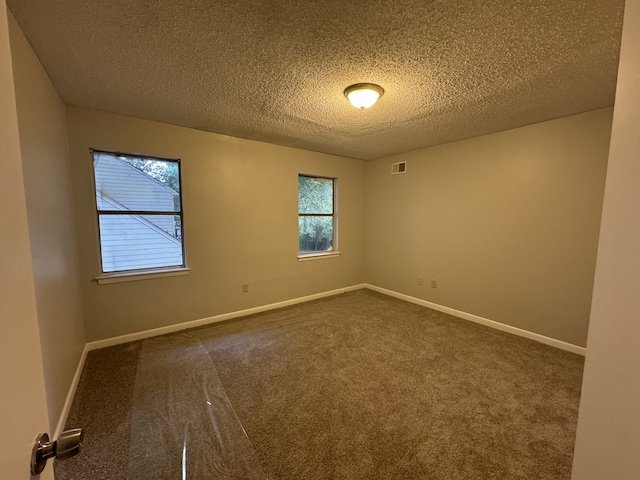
x=316, y=215
x=139, y=212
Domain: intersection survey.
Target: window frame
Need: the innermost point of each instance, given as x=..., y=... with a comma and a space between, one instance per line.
x=148, y=272
x=334, y=252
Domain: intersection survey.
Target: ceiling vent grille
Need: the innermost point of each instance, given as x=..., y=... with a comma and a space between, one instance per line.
x=397, y=168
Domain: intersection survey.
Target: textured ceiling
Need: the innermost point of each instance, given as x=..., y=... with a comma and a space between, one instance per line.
x=275, y=70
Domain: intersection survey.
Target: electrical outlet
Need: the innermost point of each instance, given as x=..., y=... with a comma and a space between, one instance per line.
x=420, y=280
x=245, y=288
x=434, y=283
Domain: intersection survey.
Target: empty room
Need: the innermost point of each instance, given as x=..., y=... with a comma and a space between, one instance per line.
x=320, y=240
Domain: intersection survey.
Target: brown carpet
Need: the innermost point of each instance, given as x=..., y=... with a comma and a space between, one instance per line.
x=356, y=386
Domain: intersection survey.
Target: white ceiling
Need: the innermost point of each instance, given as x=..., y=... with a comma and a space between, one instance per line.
x=275, y=70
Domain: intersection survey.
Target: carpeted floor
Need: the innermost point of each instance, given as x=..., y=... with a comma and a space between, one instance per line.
x=356, y=386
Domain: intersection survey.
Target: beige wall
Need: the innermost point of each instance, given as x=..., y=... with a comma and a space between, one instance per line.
x=47, y=177
x=23, y=411
x=240, y=210
x=608, y=440
x=506, y=223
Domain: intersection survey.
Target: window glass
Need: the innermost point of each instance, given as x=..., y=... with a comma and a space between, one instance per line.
x=139, y=212
x=316, y=214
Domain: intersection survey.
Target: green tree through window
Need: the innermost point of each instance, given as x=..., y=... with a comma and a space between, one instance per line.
x=316, y=214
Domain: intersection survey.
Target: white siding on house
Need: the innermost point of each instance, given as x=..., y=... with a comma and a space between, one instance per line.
x=121, y=186
x=130, y=242
x=130, y=187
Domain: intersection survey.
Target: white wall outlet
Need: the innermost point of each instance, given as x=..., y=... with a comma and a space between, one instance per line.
x=434, y=283
x=245, y=287
x=420, y=280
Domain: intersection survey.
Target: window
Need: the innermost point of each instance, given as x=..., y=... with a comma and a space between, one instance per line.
x=316, y=215
x=139, y=210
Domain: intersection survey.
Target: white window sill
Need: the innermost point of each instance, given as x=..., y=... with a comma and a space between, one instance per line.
x=317, y=256
x=145, y=275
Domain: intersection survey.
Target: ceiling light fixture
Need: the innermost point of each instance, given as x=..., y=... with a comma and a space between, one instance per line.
x=363, y=95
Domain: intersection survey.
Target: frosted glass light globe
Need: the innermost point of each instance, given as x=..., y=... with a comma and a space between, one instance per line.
x=363, y=95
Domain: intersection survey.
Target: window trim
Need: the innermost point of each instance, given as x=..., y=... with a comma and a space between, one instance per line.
x=138, y=273
x=133, y=275
x=334, y=252
x=317, y=256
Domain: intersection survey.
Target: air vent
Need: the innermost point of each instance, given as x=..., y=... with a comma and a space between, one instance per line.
x=397, y=168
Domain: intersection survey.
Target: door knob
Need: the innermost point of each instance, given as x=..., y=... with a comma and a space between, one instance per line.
x=68, y=444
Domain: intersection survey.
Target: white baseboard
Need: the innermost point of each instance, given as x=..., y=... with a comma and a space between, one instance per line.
x=132, y=337
x=272, y=306
x=72, y=393
x=176, y=328
x=484, y=321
